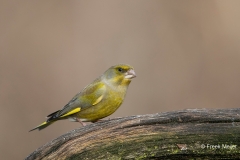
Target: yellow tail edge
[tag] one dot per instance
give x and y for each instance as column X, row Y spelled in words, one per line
column 52, row 118
column 42, row 126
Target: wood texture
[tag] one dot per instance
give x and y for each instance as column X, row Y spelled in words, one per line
column 191, row 133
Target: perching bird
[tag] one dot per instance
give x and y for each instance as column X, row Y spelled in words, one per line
column 99, row 99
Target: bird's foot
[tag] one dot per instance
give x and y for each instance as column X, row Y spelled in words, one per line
column 83, row 124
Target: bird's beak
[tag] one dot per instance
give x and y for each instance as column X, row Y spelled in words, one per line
column 130, row 74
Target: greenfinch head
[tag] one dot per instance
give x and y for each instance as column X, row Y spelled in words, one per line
column 119, row 74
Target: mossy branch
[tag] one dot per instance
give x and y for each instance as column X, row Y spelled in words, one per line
column 191, row 133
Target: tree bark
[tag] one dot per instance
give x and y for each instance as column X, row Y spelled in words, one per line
column 186, row 134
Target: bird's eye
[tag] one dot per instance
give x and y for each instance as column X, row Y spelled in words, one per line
column 120, row 69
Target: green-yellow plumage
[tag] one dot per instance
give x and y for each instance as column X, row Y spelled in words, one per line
column 99, row 99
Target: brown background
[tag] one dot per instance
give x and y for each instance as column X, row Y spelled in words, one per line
column 186, row 55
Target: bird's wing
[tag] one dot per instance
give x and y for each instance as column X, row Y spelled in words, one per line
column 89, row 96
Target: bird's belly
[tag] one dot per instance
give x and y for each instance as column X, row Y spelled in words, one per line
column 99, row 111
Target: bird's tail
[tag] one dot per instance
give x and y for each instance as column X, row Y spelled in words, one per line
column 51, row 119
column 42, row 126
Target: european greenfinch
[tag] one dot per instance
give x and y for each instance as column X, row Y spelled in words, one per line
column 97, row 100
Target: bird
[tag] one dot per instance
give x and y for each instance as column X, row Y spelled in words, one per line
column 97, row 100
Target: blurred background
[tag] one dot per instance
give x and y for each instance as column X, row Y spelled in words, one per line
column 186, row 55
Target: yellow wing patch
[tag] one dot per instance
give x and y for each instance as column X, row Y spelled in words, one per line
column 98, row 100
column 71, row 112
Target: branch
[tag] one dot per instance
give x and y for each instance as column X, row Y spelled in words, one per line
column 191, row 133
